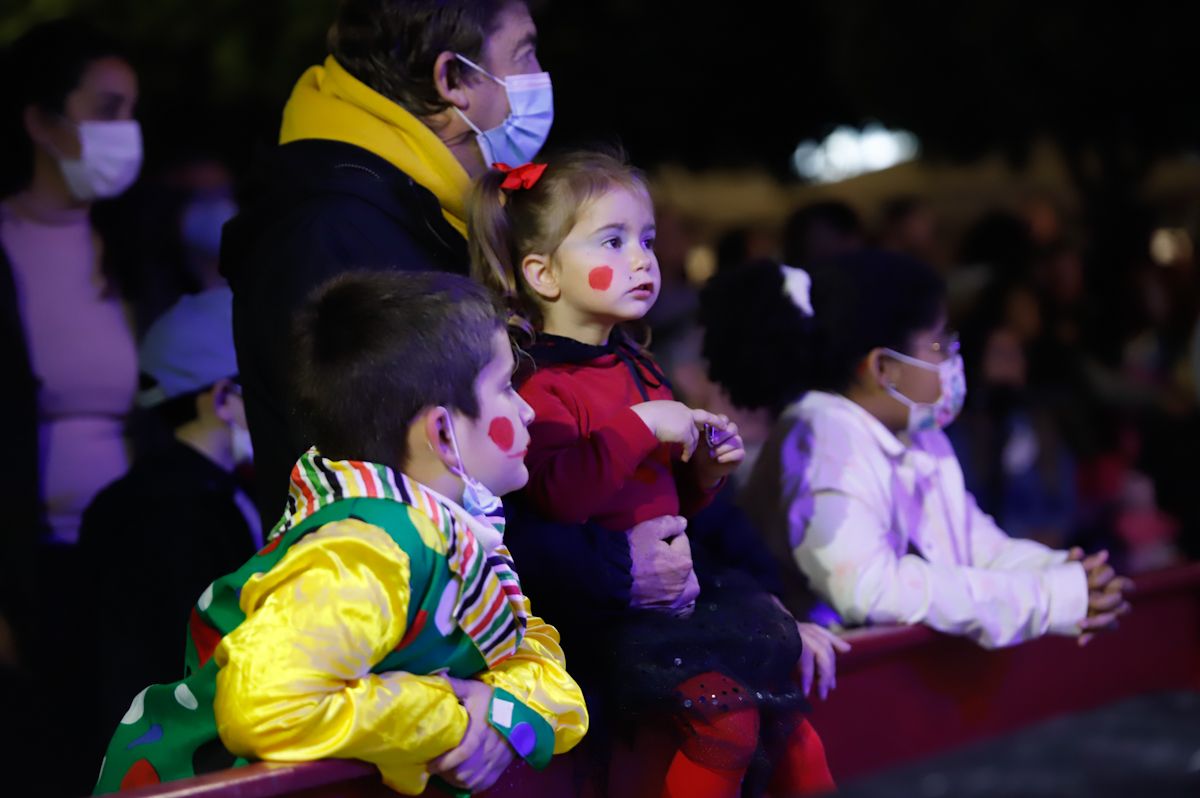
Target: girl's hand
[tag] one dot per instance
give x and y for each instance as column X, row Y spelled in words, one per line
column 675, row 422
column 818, row 657
column 720, row 453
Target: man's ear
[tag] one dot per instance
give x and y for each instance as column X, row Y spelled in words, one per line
column 449, row 80
column 540, row 275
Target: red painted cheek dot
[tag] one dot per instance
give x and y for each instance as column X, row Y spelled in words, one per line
column 600, row 278
column 501, row 433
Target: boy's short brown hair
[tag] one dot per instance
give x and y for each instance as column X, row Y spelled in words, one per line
column 373, row 349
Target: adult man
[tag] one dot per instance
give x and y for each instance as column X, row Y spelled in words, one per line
column 377, row 150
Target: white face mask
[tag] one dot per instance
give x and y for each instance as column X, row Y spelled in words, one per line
column 521, row 135
column 110, row 158
column 940, row 414
column 243, row 449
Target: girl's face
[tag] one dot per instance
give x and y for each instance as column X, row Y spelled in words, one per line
column 933, row 346
column 605, row 271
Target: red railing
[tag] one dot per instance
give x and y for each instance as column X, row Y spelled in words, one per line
column 902, row 693
column 906, row 693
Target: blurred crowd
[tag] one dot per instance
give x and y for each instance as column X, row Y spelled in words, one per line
column 1081, row 416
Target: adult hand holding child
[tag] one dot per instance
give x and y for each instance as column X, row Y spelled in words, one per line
column 661, row 557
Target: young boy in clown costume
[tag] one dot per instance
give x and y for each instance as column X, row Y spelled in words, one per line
column 383, row 620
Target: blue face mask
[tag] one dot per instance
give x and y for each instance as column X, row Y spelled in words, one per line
column 478, row 499
column 521, row 135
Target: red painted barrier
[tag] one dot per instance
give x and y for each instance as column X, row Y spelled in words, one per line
column 910, row 692
column 902, row 693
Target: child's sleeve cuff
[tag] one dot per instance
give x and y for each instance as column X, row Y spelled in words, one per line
column 525, row 730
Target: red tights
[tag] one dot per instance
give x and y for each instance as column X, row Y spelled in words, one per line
column 720, row 728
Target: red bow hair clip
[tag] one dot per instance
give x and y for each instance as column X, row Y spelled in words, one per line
column 519, row 177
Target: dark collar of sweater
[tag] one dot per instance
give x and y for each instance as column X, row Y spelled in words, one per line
column 553, row 350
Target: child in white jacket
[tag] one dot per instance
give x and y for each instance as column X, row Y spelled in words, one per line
column 858, row 481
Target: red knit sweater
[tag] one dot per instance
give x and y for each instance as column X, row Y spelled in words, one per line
column 591, row 458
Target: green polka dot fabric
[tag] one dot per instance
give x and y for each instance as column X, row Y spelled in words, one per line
column 170, row 732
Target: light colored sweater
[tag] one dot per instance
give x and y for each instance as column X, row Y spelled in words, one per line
column 82, row 350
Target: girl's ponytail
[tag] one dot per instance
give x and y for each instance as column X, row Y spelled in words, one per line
column 492, row 249
column 760, row 344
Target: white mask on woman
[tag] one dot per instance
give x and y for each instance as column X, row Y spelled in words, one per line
column 110, row 157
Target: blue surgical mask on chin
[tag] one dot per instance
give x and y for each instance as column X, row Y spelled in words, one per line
column 524, row 131
column 478, row 500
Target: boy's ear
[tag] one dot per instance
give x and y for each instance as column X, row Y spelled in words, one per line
column 540, row 276
column 220, row 395
column 434, row 423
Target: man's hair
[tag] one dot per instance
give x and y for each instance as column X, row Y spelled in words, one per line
column 372, row 349
column 391, row 45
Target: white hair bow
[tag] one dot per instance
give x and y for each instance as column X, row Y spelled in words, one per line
column 798, row 286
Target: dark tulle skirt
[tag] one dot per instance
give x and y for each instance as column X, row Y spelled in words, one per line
column 736, row 630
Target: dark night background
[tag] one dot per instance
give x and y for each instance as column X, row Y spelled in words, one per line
column 713, row 84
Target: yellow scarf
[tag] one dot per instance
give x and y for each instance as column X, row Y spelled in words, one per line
column 330, row 103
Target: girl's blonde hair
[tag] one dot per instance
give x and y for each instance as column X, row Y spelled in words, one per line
column 504, row 226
